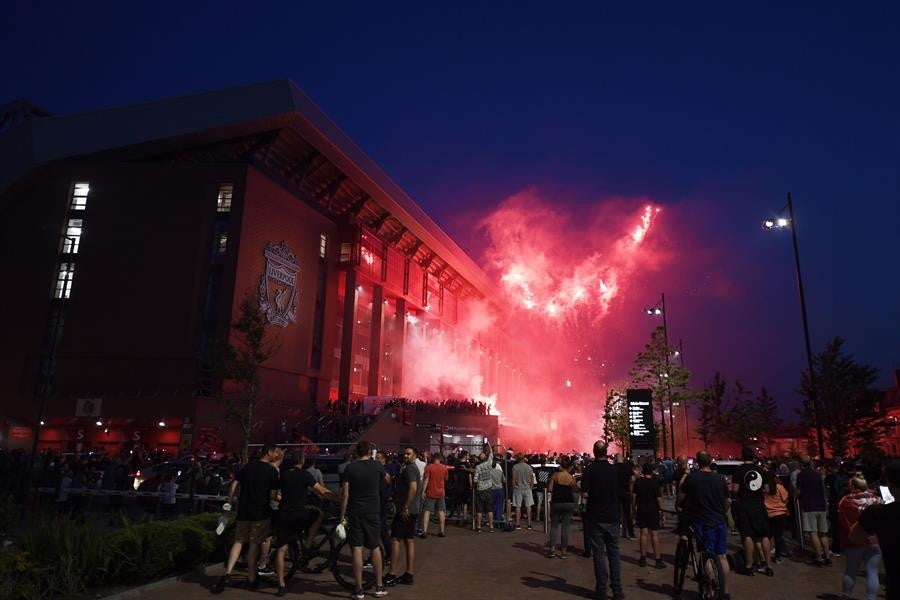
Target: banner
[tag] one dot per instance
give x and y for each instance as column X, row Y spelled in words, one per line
column 640, row 420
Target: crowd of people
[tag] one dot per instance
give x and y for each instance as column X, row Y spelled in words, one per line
column 387, row 499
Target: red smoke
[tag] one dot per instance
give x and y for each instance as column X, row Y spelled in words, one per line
column 567, row 277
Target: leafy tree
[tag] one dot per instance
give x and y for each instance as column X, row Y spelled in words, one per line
column 848, row 408
column 668, row 381
column 711, row 403
column 615, row 420
column 239, row 362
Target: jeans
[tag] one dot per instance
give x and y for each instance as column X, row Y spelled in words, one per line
column 604, row 544
column 871, row 556
column 560, row 519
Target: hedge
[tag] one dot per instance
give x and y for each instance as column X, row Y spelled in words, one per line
column 62, row 557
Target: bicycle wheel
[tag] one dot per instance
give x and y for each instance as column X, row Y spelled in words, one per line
column 342, row 566
column 317, row 557
column 711, row 579
column 681, row 565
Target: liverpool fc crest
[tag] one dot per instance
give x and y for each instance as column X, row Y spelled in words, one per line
column 278, row 285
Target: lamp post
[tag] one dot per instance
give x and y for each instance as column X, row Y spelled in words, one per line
column 781, row 222
column 659, row 309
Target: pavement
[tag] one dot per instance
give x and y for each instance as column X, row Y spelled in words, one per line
column 514, row 566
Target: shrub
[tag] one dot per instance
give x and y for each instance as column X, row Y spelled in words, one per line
column 76, row 553
column 20, row 577
column 9, row 516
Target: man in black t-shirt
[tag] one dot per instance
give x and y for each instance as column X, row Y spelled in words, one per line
column 883, row 520
column 360, row 501
column 601, row 521
column 648, row 508
column 750, row 513
column 294, row 515
column 257, row 483
column 704, row 496
column 407, row 506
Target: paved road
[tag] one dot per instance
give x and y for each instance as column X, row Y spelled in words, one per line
column 514, row 566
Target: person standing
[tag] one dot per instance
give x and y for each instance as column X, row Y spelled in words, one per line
column 813, row 510
column 625, row 473
column 361, row 507
column 434, row 495
column 484, row 497
column 868, row 553
column 167, row 491
column 256, row 486
column 523, row 481
column 776, row 502
column 498, row 480
column 407, row 507
column 883, row 521
column 704, row 496
column 385, row 503
column 600, row 483
column 752, row 517
column 648, row 510
column 562, row 488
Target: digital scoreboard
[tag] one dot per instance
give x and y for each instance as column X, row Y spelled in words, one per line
column 640, row 420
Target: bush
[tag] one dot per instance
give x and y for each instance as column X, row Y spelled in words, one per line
column 9, row 516
column 66, row 557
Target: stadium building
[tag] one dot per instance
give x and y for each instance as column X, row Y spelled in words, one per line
column 135, row 233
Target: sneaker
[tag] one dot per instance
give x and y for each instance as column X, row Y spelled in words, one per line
column 642, row 562
column 266, row 570
column 223, row 582
column 659, row 564
column 282, row 590
column 768, row 572
column 442, row 534
column 368, row 564
column 827, row 562
column 422, row 535
column 518, row 528
column 530, row 528
column 818, row 562
column 744, row 571
column 390, row 580
column 380, row 591
column 405, row 579
column 358, row 595
column 490, row 530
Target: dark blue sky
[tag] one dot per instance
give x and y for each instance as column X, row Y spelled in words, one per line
column 713, row 109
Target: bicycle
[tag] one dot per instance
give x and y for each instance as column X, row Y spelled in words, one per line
column 706, row 568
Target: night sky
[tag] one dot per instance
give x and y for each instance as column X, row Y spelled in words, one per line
column 712, row 110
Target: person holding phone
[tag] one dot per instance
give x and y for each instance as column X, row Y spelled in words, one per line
column 883, row 521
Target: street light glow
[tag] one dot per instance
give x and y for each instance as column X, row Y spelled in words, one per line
column 782, row 222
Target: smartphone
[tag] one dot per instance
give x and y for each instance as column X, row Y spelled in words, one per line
column 886, row 494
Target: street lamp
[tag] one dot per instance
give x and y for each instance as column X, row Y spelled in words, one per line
column 782, row 222
column 659, row 310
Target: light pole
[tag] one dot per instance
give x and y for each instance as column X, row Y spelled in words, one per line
column 659, row 309
column 781, row 222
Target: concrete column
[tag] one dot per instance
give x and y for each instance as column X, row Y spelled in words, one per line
column 399, row 347
column 350, row 299
column 375, row 352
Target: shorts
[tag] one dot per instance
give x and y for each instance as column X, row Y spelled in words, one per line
column 752, row 521
column 404, row 529
column 523, row 497
column 712, row 539
column 434, row 505
column 252, row 532
column 289, row 525
column 484, row 501
column 647, row 517
column 364, row 530
column 815, row 520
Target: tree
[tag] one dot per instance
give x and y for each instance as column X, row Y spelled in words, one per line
column 654, row 369
column 615, row 420
column 710, row 417
column 848, row 408
column 239, row 362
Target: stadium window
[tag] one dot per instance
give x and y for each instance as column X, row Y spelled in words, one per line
column 72, row 238
column 346, row 252
column 323, row 245
column 79, row 195
column 226, row 194
column 222, row 244
column 64, row 280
